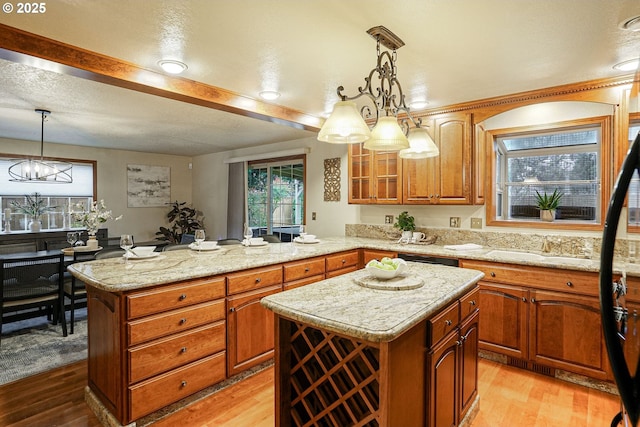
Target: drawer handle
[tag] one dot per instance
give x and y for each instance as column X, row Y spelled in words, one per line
column 183, row 384
column 258, row 280
column 306, row 270
column 448, row 322
column 183, row 297
column 472, row 302
column 569, row 284
column 183, row 321
column 492, row 274
column 183, row 350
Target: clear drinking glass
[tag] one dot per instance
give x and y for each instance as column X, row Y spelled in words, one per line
column 248, row 233
column 302, row 232
column 72, row 238
column 199, row 238
column 126, row 243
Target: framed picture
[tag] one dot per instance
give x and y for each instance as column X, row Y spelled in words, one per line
column 148, row 186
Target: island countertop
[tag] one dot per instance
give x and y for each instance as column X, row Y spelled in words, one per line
column 343, row 306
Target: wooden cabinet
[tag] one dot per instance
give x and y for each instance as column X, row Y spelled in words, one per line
column 369, row 254
column 542, row 316
column 374, row 177
column 250, row 329
column 304, row 272
column 342, row 263
column 453, row 362
column 445, row 179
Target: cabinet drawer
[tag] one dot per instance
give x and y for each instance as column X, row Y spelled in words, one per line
column 555, row 279
column 254, row 279
column 162, row 355
column 302, row 282
column 443, row 323
column 469, row 303
column 151, row 395
column 339, row 261
column 303, row 269
column 341, row 271
column 152, row 327
column 159, row 300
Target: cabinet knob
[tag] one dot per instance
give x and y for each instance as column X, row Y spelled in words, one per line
column 492, row 274
column 258, row 280
column 306, row 270
column 524, row 299
column 183, row 350
column 431, row 196
column 183, row 297
column 459, row 343
column 183, row 384
column 533, row 300
column 232, row 309
column 569, row 284
column 472, row 302
column 344, row 261
column 183, row 321
column 437, row 196
column 448, row 322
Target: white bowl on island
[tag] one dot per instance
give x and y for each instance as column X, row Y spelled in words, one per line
column 386, row 268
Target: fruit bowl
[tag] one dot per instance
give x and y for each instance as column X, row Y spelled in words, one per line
column 386, row 268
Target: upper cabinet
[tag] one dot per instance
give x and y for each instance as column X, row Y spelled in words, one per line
column 445, row 179
column 375, row 177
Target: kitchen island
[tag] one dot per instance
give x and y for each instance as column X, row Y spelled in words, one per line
column 349, row 354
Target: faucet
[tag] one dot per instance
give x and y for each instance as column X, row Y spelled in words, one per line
column 546, row 245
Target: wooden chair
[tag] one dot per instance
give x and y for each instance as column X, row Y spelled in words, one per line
column 32, row 286
column 74, row 288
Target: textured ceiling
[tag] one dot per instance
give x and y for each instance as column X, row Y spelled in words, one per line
column 455, row 51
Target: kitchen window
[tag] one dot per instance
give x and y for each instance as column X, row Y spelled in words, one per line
column 275, row 196
column 566, row 157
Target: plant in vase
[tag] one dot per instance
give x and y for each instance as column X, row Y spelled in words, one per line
column 407, row 224
column 182, row 220
column 548, row 204
column 93, row 218
column 34, row 206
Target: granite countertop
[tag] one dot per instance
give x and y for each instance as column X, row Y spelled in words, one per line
column 114, row 275
column 341, row 305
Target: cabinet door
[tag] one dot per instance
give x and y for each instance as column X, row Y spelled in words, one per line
column 453, row 165
column 369, row 254
column 566, row 333
column 419, row 181
column 360, row 170
column 468, row 363
column 443, row 384
column 503, row 319
column 250, row 330
column 387, row 174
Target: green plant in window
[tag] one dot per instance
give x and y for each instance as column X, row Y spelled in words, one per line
column 405, row 222
column 548, row 202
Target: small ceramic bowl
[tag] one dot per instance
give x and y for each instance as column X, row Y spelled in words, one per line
column 379, row 273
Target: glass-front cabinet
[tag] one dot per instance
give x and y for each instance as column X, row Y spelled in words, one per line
column 375, row 177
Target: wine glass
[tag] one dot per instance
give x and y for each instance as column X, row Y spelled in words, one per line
column 302, row 232
column 126, row 243
column 72, row 238
column 248, row 234
column 199, row 238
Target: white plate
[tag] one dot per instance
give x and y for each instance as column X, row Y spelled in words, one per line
column 144, row 256
column 255, row 245
column 305, row 242
column 194, row 247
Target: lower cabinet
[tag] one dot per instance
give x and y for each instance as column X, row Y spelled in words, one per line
column 342, row 263
column 369, row 254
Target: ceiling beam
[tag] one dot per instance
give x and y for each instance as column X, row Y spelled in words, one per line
column 22, row 47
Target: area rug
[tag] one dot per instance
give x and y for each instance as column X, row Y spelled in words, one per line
column 33, row 346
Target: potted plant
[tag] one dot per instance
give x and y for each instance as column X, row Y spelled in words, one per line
column 182, row 220
column 548, row 204
column 406, row 223
column 34, row 206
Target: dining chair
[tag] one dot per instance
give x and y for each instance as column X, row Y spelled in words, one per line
column 31, row 286
column 175, row 247
column 229, row 242
column 271, row 238
column 109, row 253
column 75, row 288
column 187, row 238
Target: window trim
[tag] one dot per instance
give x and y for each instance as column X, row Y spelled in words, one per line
column 606, row 167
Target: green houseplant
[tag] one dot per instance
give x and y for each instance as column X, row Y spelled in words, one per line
column 406, row 223
column 182, row 220
column 548, row 204
column 34, row 206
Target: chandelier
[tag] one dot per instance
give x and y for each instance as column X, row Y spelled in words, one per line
column 41, row 170
column 346, row 125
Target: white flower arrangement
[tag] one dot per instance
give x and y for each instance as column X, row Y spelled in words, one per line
column 97, row 215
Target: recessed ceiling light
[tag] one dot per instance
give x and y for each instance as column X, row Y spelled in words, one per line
column 631, row 24
column 269, row 95
column 172, row 66
column 630, row 65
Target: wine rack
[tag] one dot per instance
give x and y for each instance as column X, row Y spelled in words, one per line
column 334, row 381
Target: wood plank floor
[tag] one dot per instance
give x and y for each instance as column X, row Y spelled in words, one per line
column 509, row 397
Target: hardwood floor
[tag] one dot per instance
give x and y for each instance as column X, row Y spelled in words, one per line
column 509, row 397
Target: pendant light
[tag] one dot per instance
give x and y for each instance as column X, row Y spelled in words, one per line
column 421, row 145
column 41, row 170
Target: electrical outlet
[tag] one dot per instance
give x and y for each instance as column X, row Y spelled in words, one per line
column 454, row 222
column 388, row 219
column 476, row 222
column 313, row 216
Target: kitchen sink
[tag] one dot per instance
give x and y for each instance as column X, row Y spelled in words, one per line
column 526, row 256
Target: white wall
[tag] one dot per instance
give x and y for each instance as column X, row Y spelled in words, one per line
column 210, row 181
column 112, row 182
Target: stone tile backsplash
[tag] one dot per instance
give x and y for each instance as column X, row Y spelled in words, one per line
column 558, row 245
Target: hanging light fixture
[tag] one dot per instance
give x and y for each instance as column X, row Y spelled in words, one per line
column 421, row 145
column 347, row 125
column 41, row 170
